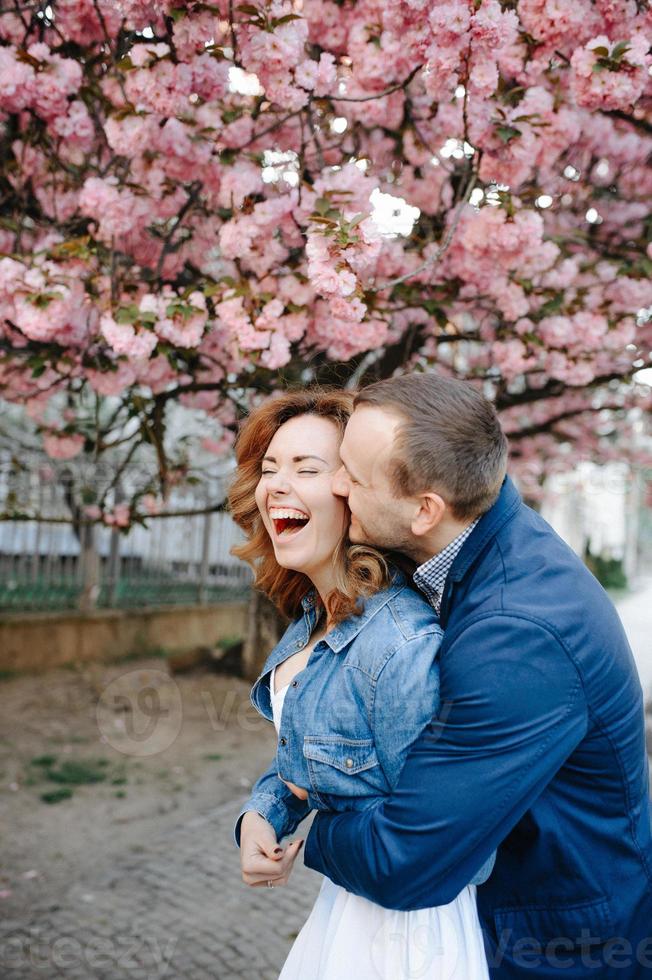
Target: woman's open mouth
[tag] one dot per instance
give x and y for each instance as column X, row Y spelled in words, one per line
column 287, row 520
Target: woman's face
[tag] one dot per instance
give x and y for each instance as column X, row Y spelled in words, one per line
column 302, row 516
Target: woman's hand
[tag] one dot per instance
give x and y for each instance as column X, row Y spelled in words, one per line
column 261, row 857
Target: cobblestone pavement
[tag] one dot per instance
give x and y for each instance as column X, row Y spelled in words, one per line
column 177, row 910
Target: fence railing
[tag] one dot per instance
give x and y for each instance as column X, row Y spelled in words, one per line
column 58, row 562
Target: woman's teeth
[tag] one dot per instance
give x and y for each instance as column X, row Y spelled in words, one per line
column 288, row 520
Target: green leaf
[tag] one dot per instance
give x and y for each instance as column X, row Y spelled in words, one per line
column 248, row 8
column 356, row 219
column 277, row 22
column 646, row 265
column 322, row 205
column 602, row 51
column 319, row 220
column 149, row 317
column 619, row 50
column 127, row 314
column 508, row 133
column 552, row 306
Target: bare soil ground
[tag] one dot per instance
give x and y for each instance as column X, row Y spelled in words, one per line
column 161, row 748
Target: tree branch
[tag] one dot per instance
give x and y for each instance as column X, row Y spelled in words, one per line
column 380, row 95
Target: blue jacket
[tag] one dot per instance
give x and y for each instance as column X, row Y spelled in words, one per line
column 350, row 716
column 539, row 748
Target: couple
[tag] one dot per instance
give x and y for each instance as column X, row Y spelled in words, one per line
column 485, row 708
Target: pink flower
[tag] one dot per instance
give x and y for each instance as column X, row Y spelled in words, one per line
column 218, row 446
column 123, row 338
column 151, row 503
column 120, row 516
column 278, row 353
column 112, row 382
column 318, row 76
column 238, row 183
column 484, row 77
column 59, row 445
column 601, row 81
column 512, row 357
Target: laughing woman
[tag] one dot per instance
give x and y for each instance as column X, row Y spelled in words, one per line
column 349, row 687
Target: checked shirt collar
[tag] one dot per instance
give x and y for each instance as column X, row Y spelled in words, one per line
column 431, row 576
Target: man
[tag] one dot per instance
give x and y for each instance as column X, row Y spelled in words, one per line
column 539, row 749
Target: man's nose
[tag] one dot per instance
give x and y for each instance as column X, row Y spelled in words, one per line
column 340, row 483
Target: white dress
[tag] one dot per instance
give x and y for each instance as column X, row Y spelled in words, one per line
column 346, row 936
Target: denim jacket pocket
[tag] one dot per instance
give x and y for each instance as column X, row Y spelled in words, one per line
column 342, row 766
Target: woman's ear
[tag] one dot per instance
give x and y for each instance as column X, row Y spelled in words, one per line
column 430, row 512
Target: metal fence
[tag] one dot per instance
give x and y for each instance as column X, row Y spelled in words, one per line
column 56, row 562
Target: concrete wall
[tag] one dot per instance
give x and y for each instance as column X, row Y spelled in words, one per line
column 35, row 641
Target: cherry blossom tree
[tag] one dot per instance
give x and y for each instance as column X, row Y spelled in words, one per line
column 205, row 202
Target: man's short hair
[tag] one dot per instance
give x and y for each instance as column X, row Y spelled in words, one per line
column 449, row 440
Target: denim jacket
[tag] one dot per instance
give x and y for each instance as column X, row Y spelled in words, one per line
column 349, row 717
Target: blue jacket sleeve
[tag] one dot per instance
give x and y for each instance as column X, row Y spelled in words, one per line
column 404, row 703
column 274, row 800
column 512, row 710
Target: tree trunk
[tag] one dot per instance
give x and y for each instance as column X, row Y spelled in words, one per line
column 265, row 626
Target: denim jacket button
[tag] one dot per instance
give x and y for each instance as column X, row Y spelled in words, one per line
column 295, row 683
column 349, row 763
column 284, row 741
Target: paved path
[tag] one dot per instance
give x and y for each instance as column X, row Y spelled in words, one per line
column 178, row 910
column 636, row 613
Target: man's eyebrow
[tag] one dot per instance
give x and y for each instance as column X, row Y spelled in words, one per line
column 295, row 459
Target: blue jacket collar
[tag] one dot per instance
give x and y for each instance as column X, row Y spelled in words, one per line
column 505, row 507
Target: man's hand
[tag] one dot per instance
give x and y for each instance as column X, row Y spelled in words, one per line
column 261, row 857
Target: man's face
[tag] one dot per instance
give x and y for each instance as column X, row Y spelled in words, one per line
column 378, row 516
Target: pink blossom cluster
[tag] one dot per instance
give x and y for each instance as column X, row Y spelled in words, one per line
column 171, row 223
column 268, row 332
column 601, row 80
column 158, row 84
column 461, row 36
column 42, row 304
column 340, row 338
column 116, row 209
column 336, row 270
column 61, row 445
column 37, row 79
column 272, row 53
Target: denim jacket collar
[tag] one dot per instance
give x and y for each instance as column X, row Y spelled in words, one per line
column 299, row 633
column 345, row 631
